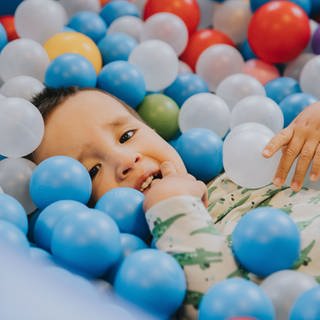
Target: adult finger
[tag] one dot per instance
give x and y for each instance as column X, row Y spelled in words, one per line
column 167, row 168
column 315, row 169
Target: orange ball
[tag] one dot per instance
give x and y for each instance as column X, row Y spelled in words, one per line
column 8, row 24
column 74, row 42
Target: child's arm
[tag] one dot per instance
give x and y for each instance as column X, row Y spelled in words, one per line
column 300, row 139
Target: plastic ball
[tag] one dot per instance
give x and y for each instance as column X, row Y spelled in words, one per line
column 23, row 57
column 218, row 62
column 160, row 113
column 88, row 241
column 22, row 87
column 201, row 40
column 293, row 68
column 257, row 109
column 304, row 4
column 50, row 216
column 284, row 287
column 88, row 23
column 309, row 76
column 124, row 80
column 232, row 297
column 175, row 32
column 293, row 104
column 183, row 68
column 266, row 240
column 145, row 276
column 74, row 6
column 279, row 31
column 238, row 86
column 246, row 50
column 116, row 46
column 185, row 86
column 116, row 9
column 8, row 23
column 201, row 152
column 3, row 37
column 23, row 123
column 12, row 236
column 60, row 178
column 74, row 42
column 205, row 110
column 315, row 7
column 14, row 179
column 125, row 207
column 41, row 257
column 242, row 156
column 161, row 57
column 70, row 69
column 39, row 19
column 129, row 25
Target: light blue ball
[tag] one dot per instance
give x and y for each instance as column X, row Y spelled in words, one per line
column 116, row 9
column 280, row 88
column 266, row 240
column 123, row 80
column 59, row 178
column 12, row 236
column 307, row 306
column 201, row 152
column 70, row 69
column 246, row 51
column 3, row 37
column 88, row 242
column 293, row 104
column 116, row 46
column 235, row 297
column 153, row 280
column 12, row 211
column 50, row 216
column 125, row 207
column 41, row 257
column 185, row 86
column 88, row 23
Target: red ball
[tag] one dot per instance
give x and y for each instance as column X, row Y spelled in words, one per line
column 201, row 40
column 279, row 31
column 187, row 10
column 8, row 24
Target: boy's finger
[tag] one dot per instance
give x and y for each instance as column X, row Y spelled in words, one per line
column 279, row 140
column 315, row 169
column 167, row 168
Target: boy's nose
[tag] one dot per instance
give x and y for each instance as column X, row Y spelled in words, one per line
column 126, row 163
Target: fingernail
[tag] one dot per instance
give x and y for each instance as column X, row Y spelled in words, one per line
column 313, row 177
column 277, row 182
column 295, row 186
column 266, row 152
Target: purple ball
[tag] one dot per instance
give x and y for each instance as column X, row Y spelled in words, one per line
column 315, row 43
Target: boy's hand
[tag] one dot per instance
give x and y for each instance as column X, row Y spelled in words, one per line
column 301, row 138
column 174, row 184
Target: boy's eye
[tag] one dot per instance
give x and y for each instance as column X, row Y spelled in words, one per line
column 126, row 136
column 94, row 170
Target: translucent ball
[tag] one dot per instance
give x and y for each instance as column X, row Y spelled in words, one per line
column 157, row 61
column 21, row 127
column 205, row 110
column 310, row 76
column 39, row 19
column 15, row 177
column 293, row 68
column 73, row 6
column 218, row 62
column 242, row 156
column 127, row 24
column 238, row 86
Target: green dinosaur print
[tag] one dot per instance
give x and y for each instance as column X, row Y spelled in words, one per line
column 199, row 257
column 287, row 208
column 160, row 227
column 304, row 259
column 229, row 240
column 304, row 224
column 209, row 229
column 193, row 298
column 211, row 205
column 315, row 199
column 239, row 273
column 317, row 278
column 273, row 192
column 210, row 190
column 245, row 190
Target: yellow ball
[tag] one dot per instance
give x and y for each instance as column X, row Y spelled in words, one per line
column 74, row 42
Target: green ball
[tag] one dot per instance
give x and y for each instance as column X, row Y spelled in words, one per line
column 160, row 113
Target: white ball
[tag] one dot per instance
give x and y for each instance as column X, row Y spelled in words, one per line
column 74, row 6
column 22, row 87
column 140, row 4
column 206, row 10
column 127, row 24
column 23, row 57
column 310, row 77
column 293, row 68
column 184, row 68
column 158, row 63
column 21, row 127
column 258, row 109
column 238, row 86
column 242, row 156
column 205, row 110
column 39, row 19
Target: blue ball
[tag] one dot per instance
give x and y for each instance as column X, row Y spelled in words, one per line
column 88, row 241
column 13, row 237
column 123, row 80
column 201, row 152
column 9, row 7
column 2, row 157
column 12, row 211
column 3, row 37
column 304, row 4
column 280, row 88
column 185, row 86
column 116, row 46
column 59, row 178
column 88, row 23
column 153, row 280
column 293, row 104
column 307, row 306
column 125, row 207
column 50, row 216
column 116, row 9
column 246, row 51
column 266, row 240
column 315, row 7
column 70, row 69
column 235, row 297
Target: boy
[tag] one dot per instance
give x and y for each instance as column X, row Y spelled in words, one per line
column 119, row 150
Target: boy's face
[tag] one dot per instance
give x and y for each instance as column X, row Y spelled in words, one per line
column 117, row 149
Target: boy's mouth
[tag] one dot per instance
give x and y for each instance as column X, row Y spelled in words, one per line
column 146, row 183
